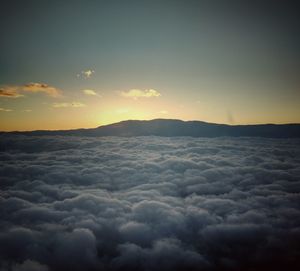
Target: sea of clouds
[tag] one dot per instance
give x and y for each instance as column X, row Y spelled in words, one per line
column 149, row 203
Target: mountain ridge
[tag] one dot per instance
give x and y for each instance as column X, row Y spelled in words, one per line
column 176, row 127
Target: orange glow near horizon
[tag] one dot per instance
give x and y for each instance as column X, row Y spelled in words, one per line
column 92, row 108
column 93, row 112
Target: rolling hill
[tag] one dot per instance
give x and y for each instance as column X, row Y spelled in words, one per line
column 173, row 127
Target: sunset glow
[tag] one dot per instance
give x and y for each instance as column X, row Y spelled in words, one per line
column 89, row 68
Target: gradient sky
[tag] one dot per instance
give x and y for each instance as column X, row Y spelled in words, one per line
column 71, row 64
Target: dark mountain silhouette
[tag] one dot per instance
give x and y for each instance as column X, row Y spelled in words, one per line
column 173, row 127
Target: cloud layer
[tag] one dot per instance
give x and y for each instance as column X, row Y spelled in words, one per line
column 149, row 203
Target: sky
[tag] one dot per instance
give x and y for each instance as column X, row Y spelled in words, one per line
column 73, row 64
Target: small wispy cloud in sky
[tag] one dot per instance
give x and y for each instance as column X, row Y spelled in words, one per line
column 10, row 92
column 5, row 109
column 64, row 105
column 40, row 87
column 14, row 91
column 90, row 92
column 86, row 74
column 27, row 110
column 138, row 93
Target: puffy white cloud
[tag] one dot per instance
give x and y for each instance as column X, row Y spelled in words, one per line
column 86, row 74
column 138, row 93
column 149, row 203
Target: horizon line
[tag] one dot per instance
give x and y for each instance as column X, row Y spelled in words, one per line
column 148, row 120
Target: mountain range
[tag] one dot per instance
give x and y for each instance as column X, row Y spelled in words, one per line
column 174, row 127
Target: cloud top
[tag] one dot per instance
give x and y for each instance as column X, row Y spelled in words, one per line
column 149, row 203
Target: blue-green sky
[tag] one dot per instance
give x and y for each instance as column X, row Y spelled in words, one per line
column 231, row 62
